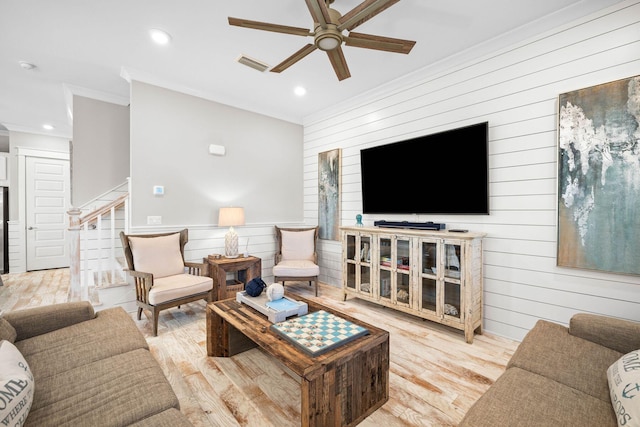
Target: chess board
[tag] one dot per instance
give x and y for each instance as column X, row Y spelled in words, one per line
column 318, row 332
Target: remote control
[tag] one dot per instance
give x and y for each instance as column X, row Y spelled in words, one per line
column 458, row 230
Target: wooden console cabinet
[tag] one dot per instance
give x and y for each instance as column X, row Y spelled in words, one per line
column 433, row 274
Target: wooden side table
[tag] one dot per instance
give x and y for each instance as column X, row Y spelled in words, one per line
column 244, row 269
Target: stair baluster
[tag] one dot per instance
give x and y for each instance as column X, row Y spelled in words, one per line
column 93, row 267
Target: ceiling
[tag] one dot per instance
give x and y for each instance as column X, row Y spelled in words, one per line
column 85, row 47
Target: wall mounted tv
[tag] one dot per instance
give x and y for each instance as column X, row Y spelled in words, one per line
column 442, row 173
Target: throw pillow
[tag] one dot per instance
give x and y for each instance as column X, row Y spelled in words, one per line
column 7, row 331
column 624, row 386
column 16, row 386
column 159, row 256
column 298, row 244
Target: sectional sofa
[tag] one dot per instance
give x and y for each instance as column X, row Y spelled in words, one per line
column 585, row 375
column 82, row 369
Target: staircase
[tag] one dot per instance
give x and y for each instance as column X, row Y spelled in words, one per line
column 97, row 262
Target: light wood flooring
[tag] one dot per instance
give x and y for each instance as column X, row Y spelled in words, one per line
column 434, row 377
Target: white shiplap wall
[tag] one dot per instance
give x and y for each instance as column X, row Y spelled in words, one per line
column 516, row 91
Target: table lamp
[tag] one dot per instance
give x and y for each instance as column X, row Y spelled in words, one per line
column 228, row 217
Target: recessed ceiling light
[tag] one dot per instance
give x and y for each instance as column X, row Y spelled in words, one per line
column 48, row 126
column 300, row 91
column 160, row 36
column 26, row 65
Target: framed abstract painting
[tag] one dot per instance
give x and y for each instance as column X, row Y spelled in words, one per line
column 329, row 176
column 599, row 177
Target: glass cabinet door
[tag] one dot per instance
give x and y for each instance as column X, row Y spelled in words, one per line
column 452, row 261
column 452, row 299
column 350, row 260
column 385, row 252
column 365, row 249
column 385, row 266
column 385, row 284
column 351, row 276
column 429, row 258
column 452, row 275
column 403, row 271
column 365, row 264
column 358, row 262
column 428, row 276
column 429, row 294
column 351, row 247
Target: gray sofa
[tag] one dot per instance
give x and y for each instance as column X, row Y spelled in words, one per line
column 558, row 376
column 90, row 369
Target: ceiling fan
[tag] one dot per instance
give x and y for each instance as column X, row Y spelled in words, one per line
column 328, row 36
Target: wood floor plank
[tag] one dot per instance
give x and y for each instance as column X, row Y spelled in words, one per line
column 208, row 407
column 435, row 376
column 248, row 382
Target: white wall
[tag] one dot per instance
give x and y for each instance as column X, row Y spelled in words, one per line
column 100, row 154
column 170, row 136
column 261, row 171
column 516, row 91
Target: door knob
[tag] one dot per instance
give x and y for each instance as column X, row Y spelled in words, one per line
column 32, row 228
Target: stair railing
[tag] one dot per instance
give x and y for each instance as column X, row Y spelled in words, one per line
column 92, row 224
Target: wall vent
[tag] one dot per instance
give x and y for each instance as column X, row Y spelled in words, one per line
column 253, row 63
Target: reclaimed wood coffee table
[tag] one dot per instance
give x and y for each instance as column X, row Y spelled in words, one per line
column 340, row 387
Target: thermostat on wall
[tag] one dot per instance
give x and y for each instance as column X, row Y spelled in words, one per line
column 158, row 190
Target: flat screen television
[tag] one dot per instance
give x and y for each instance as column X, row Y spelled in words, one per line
column 442, row 173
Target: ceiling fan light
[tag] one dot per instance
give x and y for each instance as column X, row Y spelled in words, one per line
column 328, row 43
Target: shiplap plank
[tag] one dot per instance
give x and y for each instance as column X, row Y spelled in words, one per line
column 519, row 281
column 514, row 246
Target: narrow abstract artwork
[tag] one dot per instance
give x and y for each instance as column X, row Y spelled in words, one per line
column 329, row 194
column 599, row 177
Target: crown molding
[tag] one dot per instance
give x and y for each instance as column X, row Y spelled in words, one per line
column 96, row 94
column 37, row 131
column 131, row 75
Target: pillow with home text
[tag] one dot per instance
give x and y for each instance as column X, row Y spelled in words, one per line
column 16, row 386
column 624, row 388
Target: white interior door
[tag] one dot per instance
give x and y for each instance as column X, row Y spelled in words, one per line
column 47, row 203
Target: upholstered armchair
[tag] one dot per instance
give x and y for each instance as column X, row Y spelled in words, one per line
column 296, row 257
column 162, row 278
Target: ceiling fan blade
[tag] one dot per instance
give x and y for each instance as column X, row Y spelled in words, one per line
column 306, row 50
column 388, row 44
column 319, row 12
column 339, row 63
column 265, row 26
column 363, row 12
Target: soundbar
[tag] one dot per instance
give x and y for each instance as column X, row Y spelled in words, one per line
column 405, row 224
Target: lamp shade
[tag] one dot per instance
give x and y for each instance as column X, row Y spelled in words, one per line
column 228, row 217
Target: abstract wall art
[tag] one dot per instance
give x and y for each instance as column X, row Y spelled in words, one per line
column 329, row 165
column 599, row 177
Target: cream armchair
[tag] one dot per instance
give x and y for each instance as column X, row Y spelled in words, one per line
column 297, row 256
column 162, row 278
